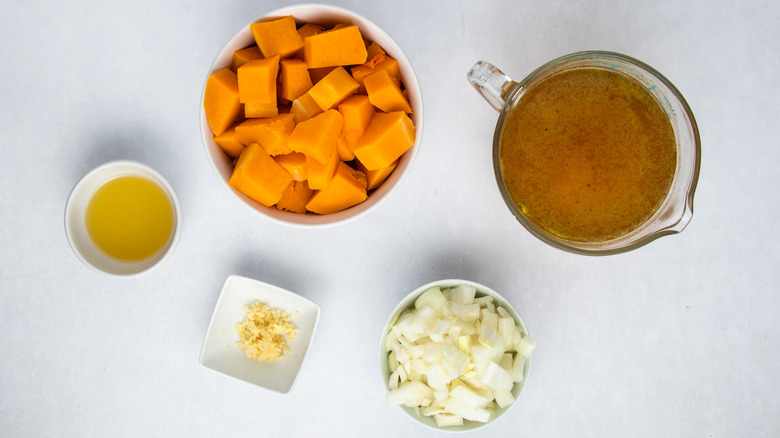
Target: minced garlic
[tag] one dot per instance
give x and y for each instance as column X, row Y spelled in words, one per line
column 264, row 334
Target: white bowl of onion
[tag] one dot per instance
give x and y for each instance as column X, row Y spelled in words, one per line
column 454, row 355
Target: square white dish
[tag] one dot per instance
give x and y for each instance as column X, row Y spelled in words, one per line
column 220, row 352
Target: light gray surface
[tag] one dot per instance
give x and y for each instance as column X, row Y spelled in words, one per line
column 677, row 339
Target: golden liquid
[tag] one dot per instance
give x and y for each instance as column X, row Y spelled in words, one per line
column 130, row 219
column 588, row 154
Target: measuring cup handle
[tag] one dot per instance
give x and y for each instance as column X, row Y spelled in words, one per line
column 491, row 83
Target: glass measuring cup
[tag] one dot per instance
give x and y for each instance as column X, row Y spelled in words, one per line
column 676, row 210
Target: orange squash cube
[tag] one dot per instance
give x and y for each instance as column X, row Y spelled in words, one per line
column 346, row 188
column 387, row 137
column 294, row 163
column 374, row 49
column 357, row 111
column 257, row 80
column 259, row 177
column 229, row 143
column 271, row 133
column 385, row 94
column 343, row 46
column 333, row 88
column 277, row 37
column 319, row 174
column 316, row 137
column 375, row 178
column 304, row 108
column 360, row 72
column 310, row 29
column 255, row 110
column 295, row 79
column 295, row 197
column 318, row 73
column 242, row 56
column 345, row 153
column 220, row 101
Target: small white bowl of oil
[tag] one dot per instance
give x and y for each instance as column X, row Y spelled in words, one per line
column 122, row 218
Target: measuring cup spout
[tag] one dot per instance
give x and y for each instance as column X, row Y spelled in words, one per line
column 491, row 83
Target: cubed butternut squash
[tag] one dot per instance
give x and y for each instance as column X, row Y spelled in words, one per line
column 304, row 108
column 295, row 79
column 257, row 80
column 295, row 197
column 319, row 174
column 374, row 49
column 310, row 29
column 342, row 46
column 242, row 56
column 385, row 94
column 277, row 37
column 360, row 72
column 346, row 188
column 256, row 109
column 357, row 111
column 345, row 153
column 316, row 137
column 271, row 133
column 372, row 62
column 298, row 105
column 387, row 137
column 294, row 163
column 318, row 73
column 333, row 88
column 259, row 177
column 375, row 178
column 220, row 100
column 229, row 143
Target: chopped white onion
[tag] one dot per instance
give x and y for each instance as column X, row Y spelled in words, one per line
column 469, row 397
column 448, row 420
column 432, row 298
column 496, row 377
column 463, row 294
column 457, row 407
column 455, row 356
column 466, row 312
column 504, row 398
column 410, row 392
column 437, row 330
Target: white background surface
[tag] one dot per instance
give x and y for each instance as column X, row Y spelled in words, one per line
column 677, row 339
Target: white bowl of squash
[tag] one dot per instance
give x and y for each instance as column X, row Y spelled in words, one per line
column 380, row 183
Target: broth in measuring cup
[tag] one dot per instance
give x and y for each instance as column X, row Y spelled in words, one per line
column 587, row 154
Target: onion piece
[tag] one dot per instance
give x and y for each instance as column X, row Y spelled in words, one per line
column 448, row 420
column 463, row 294
column 504, row 398
column 496, row 377
column 432, row 298
column 460, row 409
column 469, row 397
column 410, row 392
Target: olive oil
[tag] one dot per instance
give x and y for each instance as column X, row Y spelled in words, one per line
column 130, row 219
